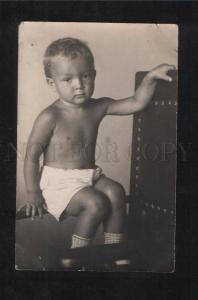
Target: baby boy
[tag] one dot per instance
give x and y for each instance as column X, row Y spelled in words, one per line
column 65, row 133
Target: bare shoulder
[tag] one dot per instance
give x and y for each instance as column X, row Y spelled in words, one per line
column 43, row 126
column 47, row 117
column 102, row 104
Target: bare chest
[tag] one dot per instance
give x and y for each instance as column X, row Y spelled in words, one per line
column 76, row 128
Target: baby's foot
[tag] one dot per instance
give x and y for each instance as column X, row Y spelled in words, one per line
column 117, row 265
column 72, row 264
column 68, row 263
column 122, row 264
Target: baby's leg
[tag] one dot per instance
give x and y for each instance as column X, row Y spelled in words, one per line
column 114, row 225
column 91, row 207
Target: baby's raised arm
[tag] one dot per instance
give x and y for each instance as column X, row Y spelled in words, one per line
column 39, row 138
column 143, row 94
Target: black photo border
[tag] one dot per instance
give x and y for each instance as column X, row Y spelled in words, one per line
column 183, row 283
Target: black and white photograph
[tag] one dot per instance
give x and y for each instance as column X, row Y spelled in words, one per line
column 96, row 147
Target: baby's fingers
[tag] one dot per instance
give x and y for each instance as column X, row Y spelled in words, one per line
column 45, row 206
column 165, row 75
column 28, row 208
column 40, row 212
column 33, row 212
column 167, row 78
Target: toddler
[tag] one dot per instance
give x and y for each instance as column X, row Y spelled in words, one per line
column 65, row 133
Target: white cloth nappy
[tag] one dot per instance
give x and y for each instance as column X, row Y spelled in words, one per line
column 59, row 186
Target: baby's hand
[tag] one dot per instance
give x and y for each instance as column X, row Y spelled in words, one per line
column 160, row 72
column 35, row 203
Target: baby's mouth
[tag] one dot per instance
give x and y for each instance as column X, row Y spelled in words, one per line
column 80, row 95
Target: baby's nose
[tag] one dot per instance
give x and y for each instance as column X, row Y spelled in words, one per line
column 78, row 83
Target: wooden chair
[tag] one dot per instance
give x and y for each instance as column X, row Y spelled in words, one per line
column 151, row 220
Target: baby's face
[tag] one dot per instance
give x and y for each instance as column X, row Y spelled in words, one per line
column 72, row 78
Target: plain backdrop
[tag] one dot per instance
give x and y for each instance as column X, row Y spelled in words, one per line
column 120, row 50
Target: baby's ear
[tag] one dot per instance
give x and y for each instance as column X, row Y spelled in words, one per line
column 50, row 81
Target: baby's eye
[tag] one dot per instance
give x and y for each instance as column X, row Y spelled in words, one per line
column 67, row 79
column 86, row 75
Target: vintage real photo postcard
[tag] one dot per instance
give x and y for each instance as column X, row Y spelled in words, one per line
column 96, row 147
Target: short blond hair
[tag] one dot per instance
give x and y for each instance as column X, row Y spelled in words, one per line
column 68, row 47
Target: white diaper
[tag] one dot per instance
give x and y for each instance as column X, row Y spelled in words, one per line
column 59, row 186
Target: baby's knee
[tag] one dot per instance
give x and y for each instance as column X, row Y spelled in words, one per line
column 98, row 206
column 116, row 194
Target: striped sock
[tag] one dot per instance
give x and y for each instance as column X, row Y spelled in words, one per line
column 113, row 238
column 78, row 241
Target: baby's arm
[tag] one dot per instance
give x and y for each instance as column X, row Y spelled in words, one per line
column 37, row 142
column 143, row 94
